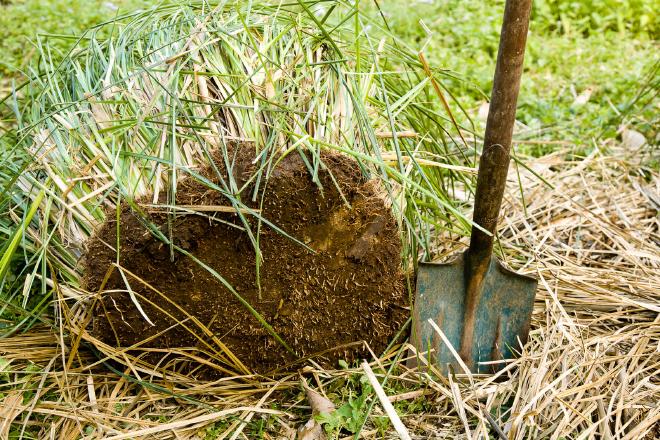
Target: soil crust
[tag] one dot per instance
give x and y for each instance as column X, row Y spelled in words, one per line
column 350, row 289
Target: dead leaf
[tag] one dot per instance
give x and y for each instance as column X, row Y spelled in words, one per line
column 269, row 84
column 312, row 430
column 317, row 401
column 632, row 139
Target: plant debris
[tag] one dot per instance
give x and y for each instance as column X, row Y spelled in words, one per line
column 312, row 430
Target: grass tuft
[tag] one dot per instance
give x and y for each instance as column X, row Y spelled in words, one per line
column 145, row 100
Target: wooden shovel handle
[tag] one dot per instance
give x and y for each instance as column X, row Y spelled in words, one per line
column 494, row 163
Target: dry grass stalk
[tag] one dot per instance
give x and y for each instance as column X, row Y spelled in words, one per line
column 399, row 427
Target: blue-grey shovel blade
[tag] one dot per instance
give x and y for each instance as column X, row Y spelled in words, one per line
column 503, row 313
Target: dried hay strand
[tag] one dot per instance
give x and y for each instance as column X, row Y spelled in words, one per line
column 589, row 370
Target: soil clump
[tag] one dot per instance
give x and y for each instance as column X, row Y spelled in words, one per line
column 348, row 289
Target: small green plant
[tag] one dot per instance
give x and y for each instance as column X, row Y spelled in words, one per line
column 215, row 430
column 382, row 424
column 350, row 415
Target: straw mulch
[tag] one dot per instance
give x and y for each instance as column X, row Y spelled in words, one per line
column 590, row 369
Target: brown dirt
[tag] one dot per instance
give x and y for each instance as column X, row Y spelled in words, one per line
column 350, row 290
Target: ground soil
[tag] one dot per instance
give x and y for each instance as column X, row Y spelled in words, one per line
column 350, row 289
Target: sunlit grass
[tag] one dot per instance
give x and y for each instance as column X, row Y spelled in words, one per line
column 584, row 66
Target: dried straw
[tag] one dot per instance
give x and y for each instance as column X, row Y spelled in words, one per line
column 589, row 370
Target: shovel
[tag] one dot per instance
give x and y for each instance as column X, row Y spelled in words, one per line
column 482, row 308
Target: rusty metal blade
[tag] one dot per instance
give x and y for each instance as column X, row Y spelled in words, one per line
column 503, row 313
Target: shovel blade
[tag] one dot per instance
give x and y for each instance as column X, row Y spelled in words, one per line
column 503, row 314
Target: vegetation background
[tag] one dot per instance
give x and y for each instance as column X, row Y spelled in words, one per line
column 590, row 65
